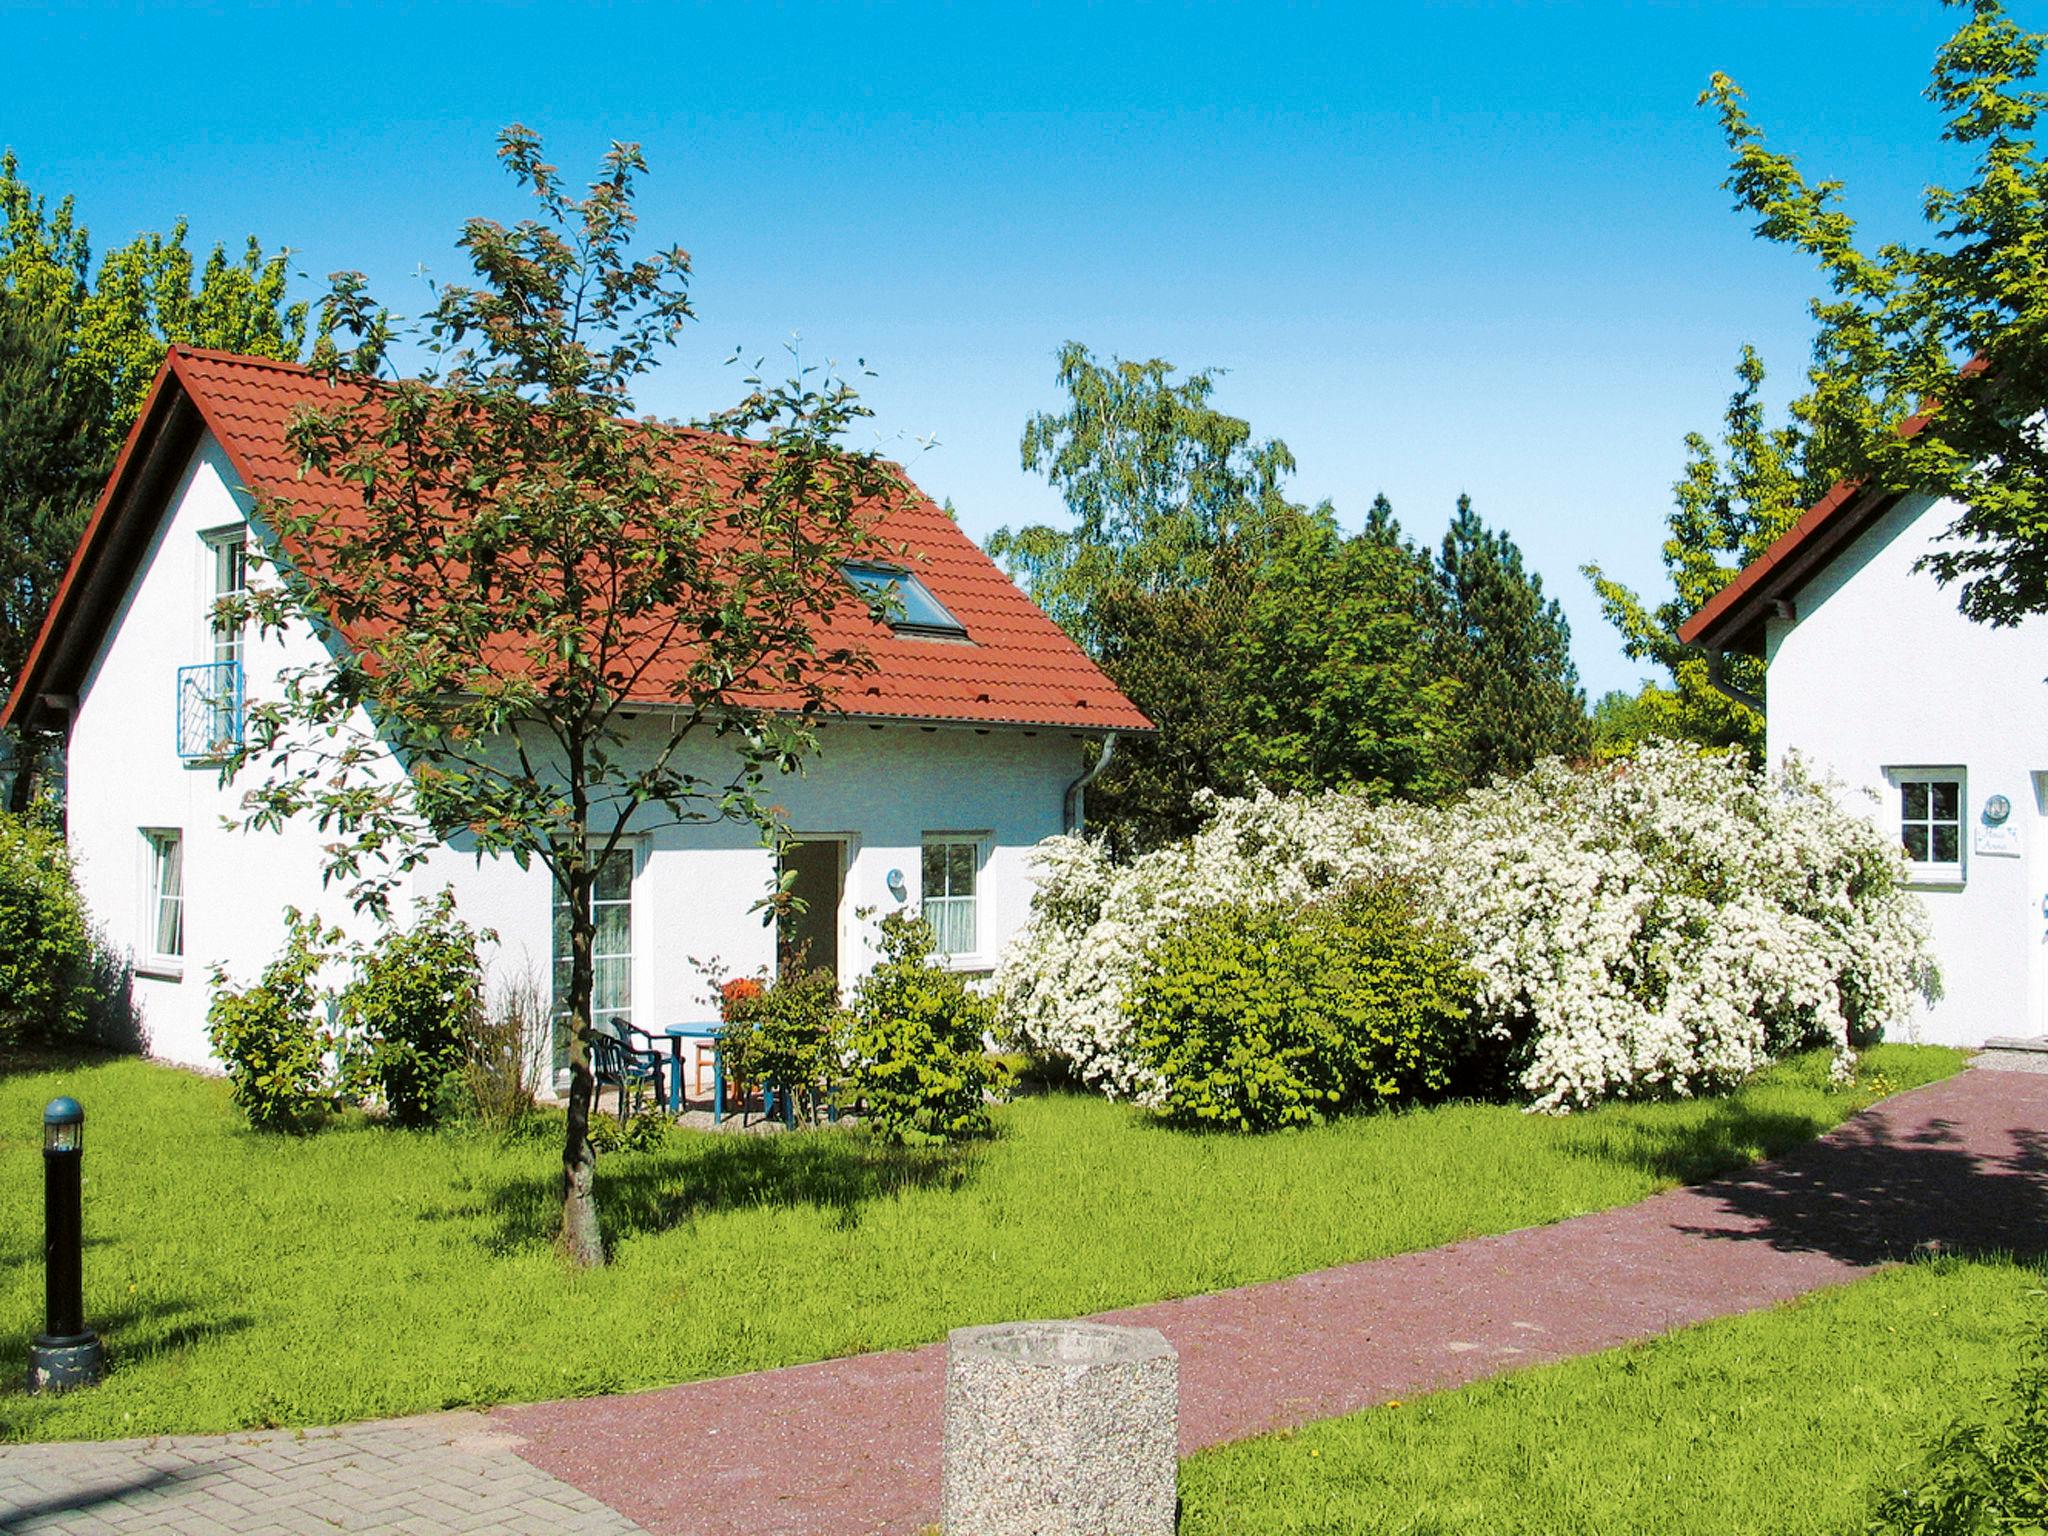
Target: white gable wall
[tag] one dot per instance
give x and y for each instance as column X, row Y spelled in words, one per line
column 124, row 775
column 883, row 789
column 1877, row 670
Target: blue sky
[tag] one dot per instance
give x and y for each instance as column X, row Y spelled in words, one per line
column 1437, row 248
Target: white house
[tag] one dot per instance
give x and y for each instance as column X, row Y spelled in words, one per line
column 1938, row 725
column 960, row 752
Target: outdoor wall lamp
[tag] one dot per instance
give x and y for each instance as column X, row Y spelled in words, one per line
column 66, row 1353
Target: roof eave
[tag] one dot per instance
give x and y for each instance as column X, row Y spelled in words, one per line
column 1734, row 619
column 157, row 445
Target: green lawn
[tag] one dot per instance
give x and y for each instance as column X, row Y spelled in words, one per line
column 245, row 1280
column 1782, row 1421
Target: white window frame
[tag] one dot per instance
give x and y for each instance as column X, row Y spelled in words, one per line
column 1931, row 871
column 150, row 960
column 634, row 851
column 221, row 644
column 977, row 957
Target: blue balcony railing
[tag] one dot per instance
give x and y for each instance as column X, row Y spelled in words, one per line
column 209, row 710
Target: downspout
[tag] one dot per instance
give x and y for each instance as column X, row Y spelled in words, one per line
column 1715, row 680
column 1074, row 790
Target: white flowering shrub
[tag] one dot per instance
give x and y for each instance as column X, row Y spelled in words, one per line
column 1663, row 925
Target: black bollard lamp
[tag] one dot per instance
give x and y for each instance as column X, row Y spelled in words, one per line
column 66, row 1353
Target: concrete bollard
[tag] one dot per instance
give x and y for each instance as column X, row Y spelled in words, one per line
column 1060, row 1429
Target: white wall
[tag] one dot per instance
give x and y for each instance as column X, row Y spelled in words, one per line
column 881, row 788
column 124, row 774
column 1877, row 670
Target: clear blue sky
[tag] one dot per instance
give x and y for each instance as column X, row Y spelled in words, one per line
column 1437, row 248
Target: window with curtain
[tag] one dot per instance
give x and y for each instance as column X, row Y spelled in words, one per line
column 951, row 892
column 229, row 554
column 163, row 917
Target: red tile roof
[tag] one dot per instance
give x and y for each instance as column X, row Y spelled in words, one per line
column 1019, row 668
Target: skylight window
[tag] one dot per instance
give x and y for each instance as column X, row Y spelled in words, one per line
column 903, row 602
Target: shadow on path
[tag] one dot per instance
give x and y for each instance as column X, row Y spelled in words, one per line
column 1891, row 1183
column 59, row 1508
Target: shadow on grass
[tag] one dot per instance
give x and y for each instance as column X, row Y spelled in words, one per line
column 1686, row 1147
column 36, row 1060
column 835, row 1171
column 131, row 1334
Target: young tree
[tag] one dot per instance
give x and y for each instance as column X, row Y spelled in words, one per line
column 1729, row 506
column 1955, row 325
column 566, row 625
column 1521, row 700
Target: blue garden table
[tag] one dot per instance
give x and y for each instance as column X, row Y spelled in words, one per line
column 677, row 1034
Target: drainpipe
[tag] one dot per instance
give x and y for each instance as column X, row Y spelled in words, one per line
column 1716, row 661
column 1073, row 803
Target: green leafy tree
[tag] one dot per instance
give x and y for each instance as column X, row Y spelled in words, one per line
column 1955, row 324
column 523, row 572
column 1521, row 699
column 1157, row 480
column 49, row 471
column 148, row 294
column 1623, row 721
column 1730, row 504
column 1174, row 506
column 1348, row 666
column 1176, row 653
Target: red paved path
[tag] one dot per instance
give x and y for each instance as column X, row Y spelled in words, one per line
column 849, row 1447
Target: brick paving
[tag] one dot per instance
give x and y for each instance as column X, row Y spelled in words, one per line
column 851, row 1447
column 432, row 1476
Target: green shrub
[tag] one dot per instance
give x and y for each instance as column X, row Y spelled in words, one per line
column 288, row 1068
column 416, row 1002
column 790, row 1036
column 919, row 1068
column 642, row 1133
column 1257, row 1018
column 46, row 949
column 1982, row 1478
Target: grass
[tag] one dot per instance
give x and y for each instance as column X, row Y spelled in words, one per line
column 1783, row 1421
column 243, row 1280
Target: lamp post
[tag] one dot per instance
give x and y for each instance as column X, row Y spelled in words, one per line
column 66, row 1353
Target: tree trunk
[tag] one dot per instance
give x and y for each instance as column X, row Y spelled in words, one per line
column 582, row 1240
